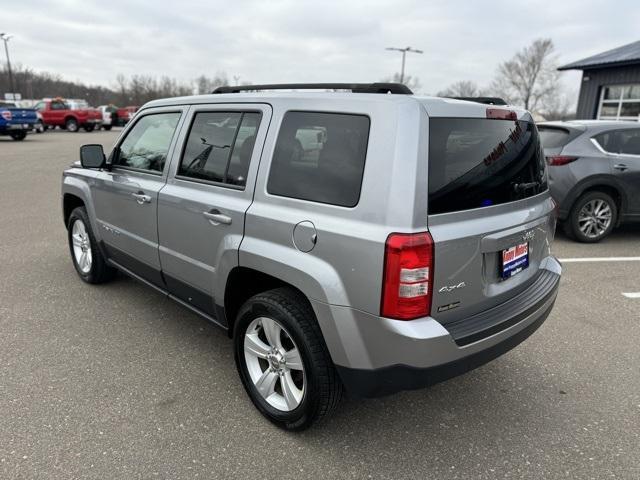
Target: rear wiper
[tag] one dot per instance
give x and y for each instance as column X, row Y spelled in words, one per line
column 523, row 187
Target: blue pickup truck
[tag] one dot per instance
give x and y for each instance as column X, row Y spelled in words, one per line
column 16, row 122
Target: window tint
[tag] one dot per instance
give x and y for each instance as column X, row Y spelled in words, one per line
column 320, row 157
column 58, row 106
column 629, row 141
column 553, row 137
column 147, row 143
column 620, row 141
column 476, row 163
column 219, row 146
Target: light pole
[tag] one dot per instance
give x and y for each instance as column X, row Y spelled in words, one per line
column 404, row 54
column 5, row 38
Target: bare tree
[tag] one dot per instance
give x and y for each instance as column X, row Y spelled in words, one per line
column 463, row 88
column 530, row 77
column 410, row 81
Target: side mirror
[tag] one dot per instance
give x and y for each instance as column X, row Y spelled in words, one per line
column 92, row 156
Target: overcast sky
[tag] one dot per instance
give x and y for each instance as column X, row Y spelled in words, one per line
column 303, row 41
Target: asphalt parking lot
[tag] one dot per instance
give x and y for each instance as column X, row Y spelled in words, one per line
column 117, row 382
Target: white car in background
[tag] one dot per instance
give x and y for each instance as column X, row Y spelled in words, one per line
column 107, row 115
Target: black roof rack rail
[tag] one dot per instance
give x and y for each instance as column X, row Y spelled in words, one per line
column 485, row 100
column 397, row 88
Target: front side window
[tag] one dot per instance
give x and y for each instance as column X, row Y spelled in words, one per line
column 58, row 106
column 219, row 147
column 147, row 144
column 320, row 157
column 475, row 163
column 40, row 106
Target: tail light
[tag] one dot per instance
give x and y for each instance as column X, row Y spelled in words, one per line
column 557, row 160
column 501, row 114
column 408, row 276
column 6, row 114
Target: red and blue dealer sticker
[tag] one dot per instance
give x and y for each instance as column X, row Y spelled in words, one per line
column 514, row 260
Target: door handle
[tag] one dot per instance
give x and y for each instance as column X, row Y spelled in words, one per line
column 141, row 198
column 620, row 166
column 216, row 218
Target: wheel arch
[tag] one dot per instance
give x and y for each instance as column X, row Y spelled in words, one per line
column 602, row 183
column 243, row 283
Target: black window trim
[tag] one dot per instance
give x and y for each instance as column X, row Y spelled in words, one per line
column 316, row 202
column 116, row 148
column 213, row 183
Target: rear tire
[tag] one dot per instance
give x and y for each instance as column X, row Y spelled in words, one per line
column 592, row 217
column 18, row 136
column 87, row 258
column 107, row 127
column 317, row 388
column 71, row 125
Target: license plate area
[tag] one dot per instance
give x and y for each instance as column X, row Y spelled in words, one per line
column 513, row 260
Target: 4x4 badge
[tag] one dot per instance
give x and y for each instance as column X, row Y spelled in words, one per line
column 451, row 288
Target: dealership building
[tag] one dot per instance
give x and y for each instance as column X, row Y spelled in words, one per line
column 610, row 88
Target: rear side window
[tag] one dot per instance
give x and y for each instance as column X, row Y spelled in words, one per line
column 219, row 147
column 475, row 163
column 620, row 141
column 554, row 137
column 320, row 157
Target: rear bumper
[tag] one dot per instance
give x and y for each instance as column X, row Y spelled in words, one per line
column 377, row 356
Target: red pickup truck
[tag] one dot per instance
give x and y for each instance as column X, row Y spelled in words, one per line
column 58, row 113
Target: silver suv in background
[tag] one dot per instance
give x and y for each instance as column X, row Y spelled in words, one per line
column 594, row 174
column 368, row 241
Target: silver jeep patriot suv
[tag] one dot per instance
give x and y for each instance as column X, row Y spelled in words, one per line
column 365, row 240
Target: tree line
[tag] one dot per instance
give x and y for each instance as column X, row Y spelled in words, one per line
column 133, row 90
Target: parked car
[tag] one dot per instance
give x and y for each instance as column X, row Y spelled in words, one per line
column 413, row 246
column 58, row 113
column 109, row 113
column 15, row 121
column 123, row 115
column 594, row 174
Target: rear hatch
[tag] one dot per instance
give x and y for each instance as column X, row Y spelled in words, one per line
column 490, row 214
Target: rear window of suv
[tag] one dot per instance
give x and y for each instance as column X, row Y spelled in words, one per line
column 475, row 163
column 320, row 157
column 552, row 137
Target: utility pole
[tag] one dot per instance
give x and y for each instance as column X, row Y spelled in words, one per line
column 404, row 54
column 5, row 38
column 236, row 78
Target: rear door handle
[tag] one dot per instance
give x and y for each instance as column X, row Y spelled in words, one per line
column 141, row 198
column 620, row 166
column 216, row 218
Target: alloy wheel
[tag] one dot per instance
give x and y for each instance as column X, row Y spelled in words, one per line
column 594, row 218
column 81, row 246
column 274, row 364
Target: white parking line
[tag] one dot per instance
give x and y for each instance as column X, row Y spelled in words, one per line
column 631, row 294
column 599, row 259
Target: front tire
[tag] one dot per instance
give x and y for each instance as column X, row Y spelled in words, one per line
column 107, row 127
column 282, row 360
column 87, row 257
column 18, row 136
column 592, row 217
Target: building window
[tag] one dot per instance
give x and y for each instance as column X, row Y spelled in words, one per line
column 620, row 102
